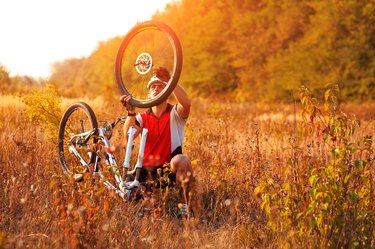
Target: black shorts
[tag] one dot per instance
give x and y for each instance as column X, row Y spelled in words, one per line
column 159, row 175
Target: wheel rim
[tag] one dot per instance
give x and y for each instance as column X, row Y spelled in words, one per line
column 142, row 50
column 76, row 121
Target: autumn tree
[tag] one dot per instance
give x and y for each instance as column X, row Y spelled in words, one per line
column 253, row 50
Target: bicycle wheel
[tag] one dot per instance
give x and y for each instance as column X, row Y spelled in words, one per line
column 77, row 119
column 146, row 46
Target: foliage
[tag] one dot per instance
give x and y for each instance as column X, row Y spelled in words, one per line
column 43, row 108
column 69, row 76
column 326, row 199
column 232, row 147
column 259, row 50
column 92, row 76
column 4, row 79
column 78, row 217
column 17, row 84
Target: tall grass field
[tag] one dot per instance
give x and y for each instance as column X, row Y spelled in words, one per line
column 265, row 176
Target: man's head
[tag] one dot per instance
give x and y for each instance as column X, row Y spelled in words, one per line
column 160, row 75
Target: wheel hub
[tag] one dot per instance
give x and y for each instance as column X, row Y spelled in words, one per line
column 143, row 63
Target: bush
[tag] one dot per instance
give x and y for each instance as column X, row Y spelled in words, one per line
column 325, row 200
column 43, row 108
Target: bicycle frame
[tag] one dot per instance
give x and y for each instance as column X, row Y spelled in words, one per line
column 102, row 151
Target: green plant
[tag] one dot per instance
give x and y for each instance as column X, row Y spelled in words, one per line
column 77, row 207
column 331, row 205
column 43, row 108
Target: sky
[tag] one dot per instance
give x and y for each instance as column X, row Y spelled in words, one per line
column 36, row 33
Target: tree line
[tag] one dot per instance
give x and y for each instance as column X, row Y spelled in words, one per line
column 252, row 50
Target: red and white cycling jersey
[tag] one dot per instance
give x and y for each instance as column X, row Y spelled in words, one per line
column 165, row 135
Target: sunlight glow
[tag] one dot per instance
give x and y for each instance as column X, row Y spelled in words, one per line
column 36, row 33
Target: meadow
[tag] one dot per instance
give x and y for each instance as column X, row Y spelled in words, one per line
column 265, row 177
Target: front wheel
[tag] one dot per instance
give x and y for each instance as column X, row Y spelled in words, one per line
column 146, row 46
column 77, row 121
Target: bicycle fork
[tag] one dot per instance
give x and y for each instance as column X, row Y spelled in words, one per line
column 124, row 186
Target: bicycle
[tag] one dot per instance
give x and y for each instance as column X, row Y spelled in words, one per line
column 82, row 145
column 85, row 147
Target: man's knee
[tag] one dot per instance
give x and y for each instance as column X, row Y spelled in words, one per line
column 180, row 159
column 180, row 162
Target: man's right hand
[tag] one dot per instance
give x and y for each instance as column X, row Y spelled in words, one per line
column 125, row 100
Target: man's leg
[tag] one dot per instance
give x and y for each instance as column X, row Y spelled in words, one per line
column 181, row 167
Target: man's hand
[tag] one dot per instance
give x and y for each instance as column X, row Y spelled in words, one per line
column 125, row 100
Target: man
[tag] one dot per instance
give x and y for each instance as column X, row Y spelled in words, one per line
column 165, row 124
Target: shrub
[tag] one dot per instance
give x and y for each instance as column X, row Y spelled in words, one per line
column 328, row 203
column 43, row 108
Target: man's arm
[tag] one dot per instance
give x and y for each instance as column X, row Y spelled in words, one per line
column 130, row 120
column 184, row 102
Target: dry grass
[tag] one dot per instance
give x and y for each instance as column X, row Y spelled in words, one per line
column 232, row 146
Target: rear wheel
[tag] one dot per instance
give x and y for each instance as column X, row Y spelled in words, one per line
column 77, row 119
column 146, row 46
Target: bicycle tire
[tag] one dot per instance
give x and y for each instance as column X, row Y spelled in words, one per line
column 63, row 129
column 175, row 69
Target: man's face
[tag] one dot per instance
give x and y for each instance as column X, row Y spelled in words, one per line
column 156, row 88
